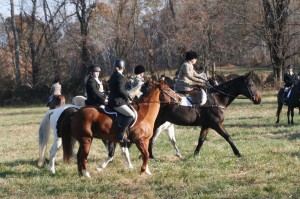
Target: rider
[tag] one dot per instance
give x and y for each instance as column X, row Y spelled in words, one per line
column 119, row 98
column 137, row 82
column 289, row 79
column 188, row 79
column 138, row 79
column 55, row 90
column 94, row 88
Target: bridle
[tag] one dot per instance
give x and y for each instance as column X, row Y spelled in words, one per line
column 173, row 99
column 252, row 96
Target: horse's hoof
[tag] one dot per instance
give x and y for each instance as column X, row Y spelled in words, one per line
column 52, row 171
column 86, row 174
column 179, row 155
column 40, row 163
column 99, row 169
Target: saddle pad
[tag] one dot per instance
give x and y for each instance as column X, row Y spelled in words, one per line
column 187, row 101
column 110, row 111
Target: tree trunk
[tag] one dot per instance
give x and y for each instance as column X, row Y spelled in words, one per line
column 16, row 45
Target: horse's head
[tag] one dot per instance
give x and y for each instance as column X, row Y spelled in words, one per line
column 167, row 95
column 249, row 89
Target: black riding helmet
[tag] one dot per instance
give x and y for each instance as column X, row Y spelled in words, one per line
column 191, row 55
column 119, row 63
column 139, row 69
column 93, row 68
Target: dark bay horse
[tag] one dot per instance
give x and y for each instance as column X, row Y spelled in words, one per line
column 292, row 102
column 91, row 122
column 211, row 114
column 57, row 101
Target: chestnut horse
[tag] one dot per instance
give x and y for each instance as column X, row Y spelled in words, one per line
column 57, row 101
column 211, row 114
column 92, row 122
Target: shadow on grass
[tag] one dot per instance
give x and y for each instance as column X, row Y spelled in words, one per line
column 11, row 170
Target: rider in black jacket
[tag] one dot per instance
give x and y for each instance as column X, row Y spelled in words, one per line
column 94, row 88
column 289, row 79
column 119, row 98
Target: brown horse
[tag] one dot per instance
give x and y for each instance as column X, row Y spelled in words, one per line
column 57, row 101
column 91, row 122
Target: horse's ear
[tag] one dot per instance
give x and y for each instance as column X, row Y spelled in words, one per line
column 249, row 75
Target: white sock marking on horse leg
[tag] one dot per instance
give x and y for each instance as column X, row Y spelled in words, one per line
column 52, row 165
column 86, row 174
column 148, row 170
column 105, row 163
column 126, row 155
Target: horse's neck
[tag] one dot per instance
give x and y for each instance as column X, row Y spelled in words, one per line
column 149, row 107
column 224, row 95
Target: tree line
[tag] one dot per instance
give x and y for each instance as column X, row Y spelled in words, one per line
column 49, row 39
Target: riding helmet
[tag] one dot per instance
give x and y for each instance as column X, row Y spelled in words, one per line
column 139, row 69
column 191, row 55
column 290, row 66
column 119, row 63
column 93, row 68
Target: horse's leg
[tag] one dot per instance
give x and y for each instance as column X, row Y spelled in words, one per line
column 203, row 133
column 55, row 146
column 292, row 115
column 83, row 152
column 110, row 147
column 156, row 131
column 288, row 114
column 126, row 155
column 219, row 128
column 279, row 108
column 171, row 134
column 143, row 145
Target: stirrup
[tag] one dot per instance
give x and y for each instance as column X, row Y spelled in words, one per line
column 125, row 140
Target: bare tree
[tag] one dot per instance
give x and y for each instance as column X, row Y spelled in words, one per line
column 16, row 44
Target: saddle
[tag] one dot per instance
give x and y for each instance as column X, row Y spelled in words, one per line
column 195, row 97
column 119, row 118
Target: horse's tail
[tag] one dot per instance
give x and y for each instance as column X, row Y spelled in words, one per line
column 66, row 137
column 62, row 101
column 279, row 102
column 44, row 131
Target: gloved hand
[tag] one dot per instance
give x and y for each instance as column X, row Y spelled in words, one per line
column 207, row 83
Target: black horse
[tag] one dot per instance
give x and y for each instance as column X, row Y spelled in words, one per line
column 210, row 115
column 292, row 102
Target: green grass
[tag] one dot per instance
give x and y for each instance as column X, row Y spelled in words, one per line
column 269, row 167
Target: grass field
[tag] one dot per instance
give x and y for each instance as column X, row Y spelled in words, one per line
column 269, row 167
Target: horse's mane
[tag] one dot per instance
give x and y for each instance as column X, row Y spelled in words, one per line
column 227, row 84
column 135, row 92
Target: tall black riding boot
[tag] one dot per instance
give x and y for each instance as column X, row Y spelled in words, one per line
column 121, row 132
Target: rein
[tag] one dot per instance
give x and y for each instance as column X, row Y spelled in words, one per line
column 175, row 101
column 234, row 96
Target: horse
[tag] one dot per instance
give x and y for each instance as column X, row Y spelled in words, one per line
column 167, row 126
column 211, row 114
column 92, row 122
column 57, row 101
column 292, row 102
column 51, row 121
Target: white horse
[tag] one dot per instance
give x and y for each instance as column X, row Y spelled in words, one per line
column 48, row 122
